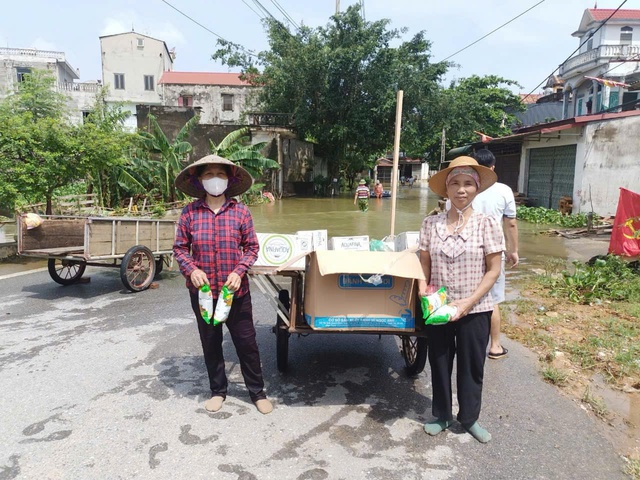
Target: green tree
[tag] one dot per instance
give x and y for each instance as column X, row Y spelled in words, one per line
column 166, row 157
column 340, row 82
column 236, row 147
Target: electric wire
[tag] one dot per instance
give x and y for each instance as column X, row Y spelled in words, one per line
column 579, row 46
column 251, row 8
column 286, row 15
column 493, row 31
column 249, row 52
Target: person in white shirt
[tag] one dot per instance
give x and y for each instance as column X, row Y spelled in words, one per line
column 498, row 201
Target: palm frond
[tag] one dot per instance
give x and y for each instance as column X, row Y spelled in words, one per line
column 186, row 129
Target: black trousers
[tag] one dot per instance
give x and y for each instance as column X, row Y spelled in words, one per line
column 243, row 335
column 466, row 340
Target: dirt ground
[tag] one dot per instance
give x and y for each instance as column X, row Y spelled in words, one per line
column 556, row 329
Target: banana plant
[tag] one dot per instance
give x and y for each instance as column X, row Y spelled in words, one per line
column 236, row 147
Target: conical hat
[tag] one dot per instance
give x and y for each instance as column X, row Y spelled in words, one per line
column 239, row 179
column 438, row 183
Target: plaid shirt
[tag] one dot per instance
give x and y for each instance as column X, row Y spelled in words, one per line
column 218, row 243
column 458, row 261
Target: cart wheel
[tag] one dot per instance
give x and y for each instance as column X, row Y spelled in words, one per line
column 65, row 272
column 414, row 352
column 159, row 265
column 138, row 268
column 282, row 334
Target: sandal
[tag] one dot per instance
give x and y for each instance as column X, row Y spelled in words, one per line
column 496, row 356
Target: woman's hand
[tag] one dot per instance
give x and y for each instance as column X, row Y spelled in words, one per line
column 463, row 306
column 198, row 278
column 233, row 281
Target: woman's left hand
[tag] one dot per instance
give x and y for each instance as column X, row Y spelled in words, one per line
column 463, row 306
column 233, row 281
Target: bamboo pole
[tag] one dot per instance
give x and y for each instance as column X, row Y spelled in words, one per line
column 394, row 170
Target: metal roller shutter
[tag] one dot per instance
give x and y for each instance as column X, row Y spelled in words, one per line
column 551, row 175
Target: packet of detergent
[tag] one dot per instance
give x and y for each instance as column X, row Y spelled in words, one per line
column 431, row 303
column 223, row 306
column 442, row 315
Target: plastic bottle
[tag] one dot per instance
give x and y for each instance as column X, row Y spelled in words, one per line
column 205, row 300
column 223, row 306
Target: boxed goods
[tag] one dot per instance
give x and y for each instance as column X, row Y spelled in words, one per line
column 277, row 249
column 318, row 238
column 407, row 240
column 360, row 242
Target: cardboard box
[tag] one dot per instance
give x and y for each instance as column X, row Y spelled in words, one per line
column 319, row 238
column 338, row 297
column 277, row 249
column 407, row 240
column 360, row 243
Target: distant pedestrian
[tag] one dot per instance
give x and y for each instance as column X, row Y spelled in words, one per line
column 411, row 180
column 362, row 196
column 378, row 189
column 498, row 201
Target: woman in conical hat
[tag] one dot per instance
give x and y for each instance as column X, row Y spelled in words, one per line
column 216, row 245
column 461, row 250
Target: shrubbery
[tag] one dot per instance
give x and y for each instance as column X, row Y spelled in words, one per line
column 550, row 217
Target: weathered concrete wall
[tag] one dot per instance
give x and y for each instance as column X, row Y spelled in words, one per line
column 610, row 161
column 209, row 99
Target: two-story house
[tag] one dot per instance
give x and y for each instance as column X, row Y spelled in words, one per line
column 15, row 63
column 598, row 77
column 222, row 98
column 132, row 64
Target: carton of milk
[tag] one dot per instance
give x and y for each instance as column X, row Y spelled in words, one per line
column 318, row 239
column 360, row 243
column 407, row 240
column 277, row 249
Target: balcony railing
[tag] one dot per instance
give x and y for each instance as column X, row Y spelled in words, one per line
column 79, row 87
column 605, row 52
column 271, row 119
column 32, row 52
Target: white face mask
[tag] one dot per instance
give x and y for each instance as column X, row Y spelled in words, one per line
column 215, row 186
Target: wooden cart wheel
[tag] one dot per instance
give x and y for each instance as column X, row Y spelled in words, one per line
column 65, row 272
column 138, row 268
column 282, row 334
column 414, row 352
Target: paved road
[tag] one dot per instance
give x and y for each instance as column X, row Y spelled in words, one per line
column 99, row 383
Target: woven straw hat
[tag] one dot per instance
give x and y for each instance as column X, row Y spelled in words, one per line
column 438, row 183
column 239, row 179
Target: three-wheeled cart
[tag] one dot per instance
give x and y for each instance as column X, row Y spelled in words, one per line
column 139, row 247
column 286, row 296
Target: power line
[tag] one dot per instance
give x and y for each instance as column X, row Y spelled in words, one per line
column 206, row 28
column 286, row 15
column 494, row 30
column 251, row 8
column 579, row 46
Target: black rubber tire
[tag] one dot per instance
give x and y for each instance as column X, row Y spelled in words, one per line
column 65, row 272
column 414, row 352
column 282, row 334
column 138, row 268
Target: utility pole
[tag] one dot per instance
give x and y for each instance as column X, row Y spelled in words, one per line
column 442, row 147
column 337, row 7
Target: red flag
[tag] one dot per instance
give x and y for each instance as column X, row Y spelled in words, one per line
column 625, row 236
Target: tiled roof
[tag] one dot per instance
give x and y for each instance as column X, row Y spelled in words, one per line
column 600, row 14
column 530, row 98
column 202, row 78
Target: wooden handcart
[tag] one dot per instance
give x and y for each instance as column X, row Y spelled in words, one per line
column 139, row 247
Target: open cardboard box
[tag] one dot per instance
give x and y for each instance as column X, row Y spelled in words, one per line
column 338, row 297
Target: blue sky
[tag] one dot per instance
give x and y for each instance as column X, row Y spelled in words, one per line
column 527, row 50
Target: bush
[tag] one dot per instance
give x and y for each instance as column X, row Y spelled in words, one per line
column 550, row 217
column 607, row 278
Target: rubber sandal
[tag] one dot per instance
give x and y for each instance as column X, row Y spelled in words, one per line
column 496, row 356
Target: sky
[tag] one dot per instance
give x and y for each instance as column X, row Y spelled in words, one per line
column 527, row 50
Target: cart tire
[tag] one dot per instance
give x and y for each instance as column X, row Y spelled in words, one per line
column 282, row 334
column 138, row 268
column 414, row 352
column 65, row 272
column 159, row 265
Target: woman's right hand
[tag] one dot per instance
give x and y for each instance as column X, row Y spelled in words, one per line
column 199, row 278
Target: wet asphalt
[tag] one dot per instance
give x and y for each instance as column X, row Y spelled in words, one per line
column 98, row 382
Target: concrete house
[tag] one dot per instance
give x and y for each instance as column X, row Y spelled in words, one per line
column 15, row 63
column 609, row 55
column 222, row 98
column 132, row 65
